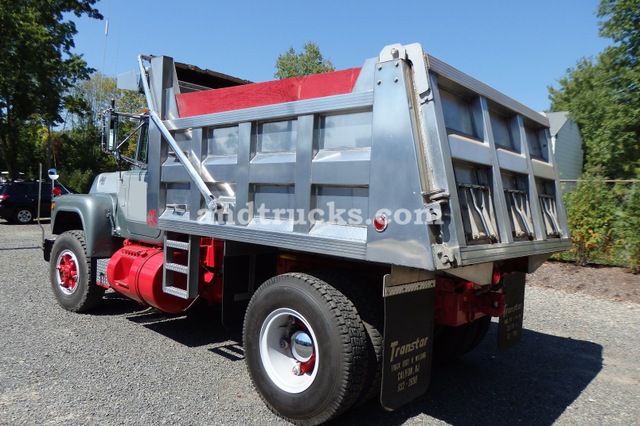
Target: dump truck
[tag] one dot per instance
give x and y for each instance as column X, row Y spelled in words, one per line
column 359, row 225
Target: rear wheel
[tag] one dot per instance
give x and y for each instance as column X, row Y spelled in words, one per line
column 305, row 348
column 23, row 215
column 72, row 275
column 450, row 343
column 368, row 301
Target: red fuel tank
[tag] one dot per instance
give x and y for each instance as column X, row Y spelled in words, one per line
column 135, row 271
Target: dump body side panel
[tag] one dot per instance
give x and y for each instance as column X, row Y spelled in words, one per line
column 282, row 177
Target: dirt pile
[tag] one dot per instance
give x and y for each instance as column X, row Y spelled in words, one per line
column 600, row 281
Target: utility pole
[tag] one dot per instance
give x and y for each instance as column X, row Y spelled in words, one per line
column 49, row 148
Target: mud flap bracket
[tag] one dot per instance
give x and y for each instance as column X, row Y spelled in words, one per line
column 409, row 300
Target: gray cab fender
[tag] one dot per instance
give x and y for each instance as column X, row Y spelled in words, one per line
column 94, row 214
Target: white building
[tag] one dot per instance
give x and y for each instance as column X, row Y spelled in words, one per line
column 566, row 144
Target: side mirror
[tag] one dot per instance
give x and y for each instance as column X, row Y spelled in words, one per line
column 53, row 174
column 109, row 129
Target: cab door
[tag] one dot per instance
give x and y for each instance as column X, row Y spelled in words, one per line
column 132, row 206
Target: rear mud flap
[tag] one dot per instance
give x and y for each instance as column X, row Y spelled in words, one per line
column 408, row 341
column 510, row 325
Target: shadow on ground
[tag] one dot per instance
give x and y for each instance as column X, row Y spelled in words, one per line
column 200, row 326
column 531, row 384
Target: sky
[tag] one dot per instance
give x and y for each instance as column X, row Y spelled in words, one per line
column 518, row 47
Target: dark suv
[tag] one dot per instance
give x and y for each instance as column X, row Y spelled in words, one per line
column 19, row 200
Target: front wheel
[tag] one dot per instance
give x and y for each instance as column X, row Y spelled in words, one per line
column 305, row 348
column 72, row 275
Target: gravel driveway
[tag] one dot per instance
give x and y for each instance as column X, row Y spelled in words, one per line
column 124, row 365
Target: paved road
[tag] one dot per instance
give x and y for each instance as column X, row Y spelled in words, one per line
column 124, row 365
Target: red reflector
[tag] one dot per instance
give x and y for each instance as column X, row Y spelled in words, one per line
column 380, row 223
column 56, row 192
column 497, row 276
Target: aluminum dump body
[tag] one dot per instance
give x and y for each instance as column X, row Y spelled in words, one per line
column 404, row 161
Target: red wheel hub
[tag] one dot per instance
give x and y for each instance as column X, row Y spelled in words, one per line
column 68, row 271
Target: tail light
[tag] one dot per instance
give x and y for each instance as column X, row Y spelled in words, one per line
column 496, row 276
column 3, row 197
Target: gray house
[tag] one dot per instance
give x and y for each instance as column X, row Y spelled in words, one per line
column 566, row 144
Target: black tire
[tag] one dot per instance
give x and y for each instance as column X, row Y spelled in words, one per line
column 72, row 273
column 294, row 304
column 450, row 343
column 22, row 216
column 369, row 304
column 482, row 328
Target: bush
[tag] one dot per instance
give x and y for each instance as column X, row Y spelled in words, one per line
column 591, row 212
column 628, row 228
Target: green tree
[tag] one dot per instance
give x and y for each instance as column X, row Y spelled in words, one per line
column 94, row 95
column 38, row 66
column 311, row 61
column 622, row 25
column 76, row 149
column 603, row 94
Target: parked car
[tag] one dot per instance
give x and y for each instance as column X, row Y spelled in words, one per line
column 19, row 200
